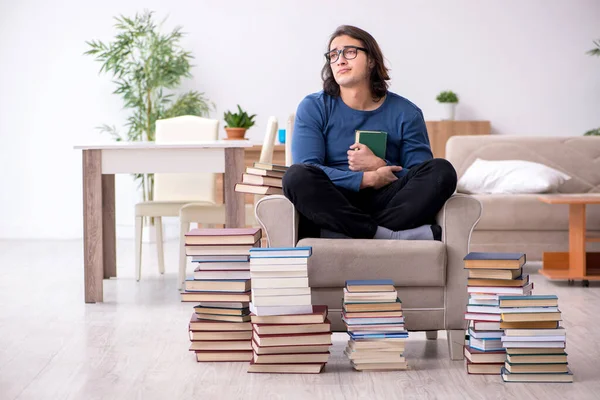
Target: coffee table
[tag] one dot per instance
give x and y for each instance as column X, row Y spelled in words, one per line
column 576, row 263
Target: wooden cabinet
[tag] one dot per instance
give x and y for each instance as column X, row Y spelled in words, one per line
column 440, row 131
column 251, row 155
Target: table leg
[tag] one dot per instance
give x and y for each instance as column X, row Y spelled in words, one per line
column 577, row 267
column 92, row 225
column 108, row 227
column 235, row 212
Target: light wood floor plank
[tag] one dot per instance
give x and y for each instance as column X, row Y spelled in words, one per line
column 134, row 345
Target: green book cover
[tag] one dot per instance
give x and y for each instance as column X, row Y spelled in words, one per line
column 374, row 140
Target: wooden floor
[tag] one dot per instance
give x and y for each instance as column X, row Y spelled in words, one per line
column 134, row 346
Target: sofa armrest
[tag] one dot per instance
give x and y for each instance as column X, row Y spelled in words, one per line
column 279, row 219
column 457, row 218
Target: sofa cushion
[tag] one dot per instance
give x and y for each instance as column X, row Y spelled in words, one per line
column 406, row 262
column 526, row 212
column 510, row 176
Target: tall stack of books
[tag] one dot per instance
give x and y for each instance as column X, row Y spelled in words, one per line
column 262, row 179
column 372, row 313
column 491, row 275
column 220, row 328
column 289, row 334
column 535, row 343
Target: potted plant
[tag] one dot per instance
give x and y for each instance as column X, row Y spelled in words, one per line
column 449, row 99
column 237, row 123
column 144, row 64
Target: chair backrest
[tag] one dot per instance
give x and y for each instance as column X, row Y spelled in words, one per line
column 266, row 154
column 289, row 132
column 185, row 187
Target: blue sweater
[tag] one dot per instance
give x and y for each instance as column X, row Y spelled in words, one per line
column 324, row 130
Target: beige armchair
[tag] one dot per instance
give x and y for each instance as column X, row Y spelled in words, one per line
column 429, row 275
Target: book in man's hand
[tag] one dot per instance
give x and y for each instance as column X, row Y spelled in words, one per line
column 376, row 141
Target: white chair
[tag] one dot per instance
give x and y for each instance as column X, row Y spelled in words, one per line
column 172, row 191
column 195, row 212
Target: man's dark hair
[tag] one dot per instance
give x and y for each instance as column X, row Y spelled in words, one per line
column 379, row 73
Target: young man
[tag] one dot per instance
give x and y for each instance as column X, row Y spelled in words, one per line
column 340, row 188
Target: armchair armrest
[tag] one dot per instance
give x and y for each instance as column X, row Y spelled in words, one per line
column 279, row 219
column 458, row 218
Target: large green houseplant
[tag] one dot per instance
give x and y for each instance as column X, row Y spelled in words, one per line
column 146, row 66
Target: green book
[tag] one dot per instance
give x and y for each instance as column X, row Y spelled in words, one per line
column 374, row 140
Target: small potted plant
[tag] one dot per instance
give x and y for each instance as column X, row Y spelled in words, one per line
column 237, row 123
column 449, row 99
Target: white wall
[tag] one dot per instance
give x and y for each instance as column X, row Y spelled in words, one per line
column 520, row 64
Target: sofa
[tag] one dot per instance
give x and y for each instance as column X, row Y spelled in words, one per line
column 520, row 222
column 429, row 275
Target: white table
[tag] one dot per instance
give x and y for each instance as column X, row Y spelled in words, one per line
column 102, row 162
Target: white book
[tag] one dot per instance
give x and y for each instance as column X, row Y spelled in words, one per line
column 278, row 267
column 281, row 291
column 483, row 309
column 300, row 252
column 485, row 326
column 548, row 344
column 485, row 334
column 500, row 289
column 280, row 310
column 221, row 275
column 483, row 317
column 279, row 274
column 279, row 261
column 298, row 300
column 218, row 266
column 484, row 302
column 492, row 296
column 266, row 283
column 534, row 338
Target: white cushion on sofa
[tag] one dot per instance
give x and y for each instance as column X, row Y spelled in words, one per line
column 510, row 176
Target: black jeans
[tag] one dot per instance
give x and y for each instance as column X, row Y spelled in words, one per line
column 409, row 202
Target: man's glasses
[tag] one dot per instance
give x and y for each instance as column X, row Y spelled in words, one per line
column 349, row 53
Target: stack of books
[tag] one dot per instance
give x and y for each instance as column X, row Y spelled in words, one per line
column 535, row 343
column 262, row 179
column 372, row 313
column 289, row 334
column 220, row 328
column 491, row 275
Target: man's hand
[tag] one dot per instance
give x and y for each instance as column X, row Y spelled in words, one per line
column 383, row 176
column 361, row 158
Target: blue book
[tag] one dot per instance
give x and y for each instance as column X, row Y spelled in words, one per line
column 280, row 252
column 474, row 255
column 379, row 335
